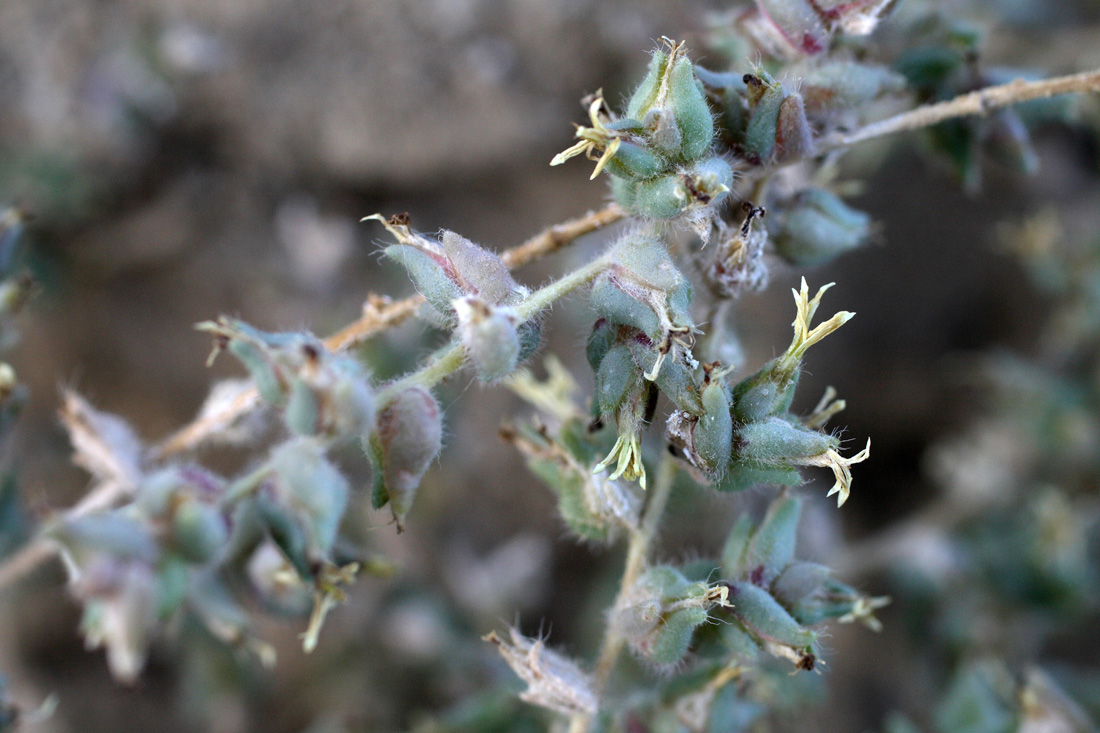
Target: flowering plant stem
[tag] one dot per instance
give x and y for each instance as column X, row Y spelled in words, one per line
column 380, row 314
column 636, row 555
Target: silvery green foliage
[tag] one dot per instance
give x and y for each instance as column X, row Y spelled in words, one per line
column 319, row 393
column 173, row 540
column 660, row 612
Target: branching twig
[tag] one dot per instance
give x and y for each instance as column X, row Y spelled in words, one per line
column 380, row 314
column 966, row 105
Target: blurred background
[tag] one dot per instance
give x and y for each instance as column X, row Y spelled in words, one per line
column 183, row 159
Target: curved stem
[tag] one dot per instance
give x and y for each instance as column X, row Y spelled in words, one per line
column 636, row 557
column 451, row 358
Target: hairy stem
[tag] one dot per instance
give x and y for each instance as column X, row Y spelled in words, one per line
column 636, row 556
column 451, row 358
column 966, row 105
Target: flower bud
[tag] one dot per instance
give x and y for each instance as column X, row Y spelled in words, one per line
column 817, row 226
column 306, row 504
column 445, row 270
column 660, row 613
column 663, row 197
column 643, row 289
column 774, row 440
column 303, row 409
column 709, row 180
column 632, row 161
column 777, row 129
column 340, row 384
column 271, row 387
column 320, row 392
column 489, row 336
column 676, row 377
column 182, row 502
column 604, row 335
column 769, row 623
column 480, row 272
column 617, row 377
column 726, row 92
column 770, row 390
column 647, row 260
column 672, row 106
column 430, row 273
column 687, row 190
column 268, row 357
column 760, row 554
column 199, row 531
column 798, row 586
column 705, row 438
column 713, row 434
column 408, row 437
column 612, row 297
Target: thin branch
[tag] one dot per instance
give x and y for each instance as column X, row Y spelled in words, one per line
column 553, row 238
column 25, row 560
column 636, row 556
column 380, row 314
column 451, row 358
column 975, row 103
column 38, row 550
